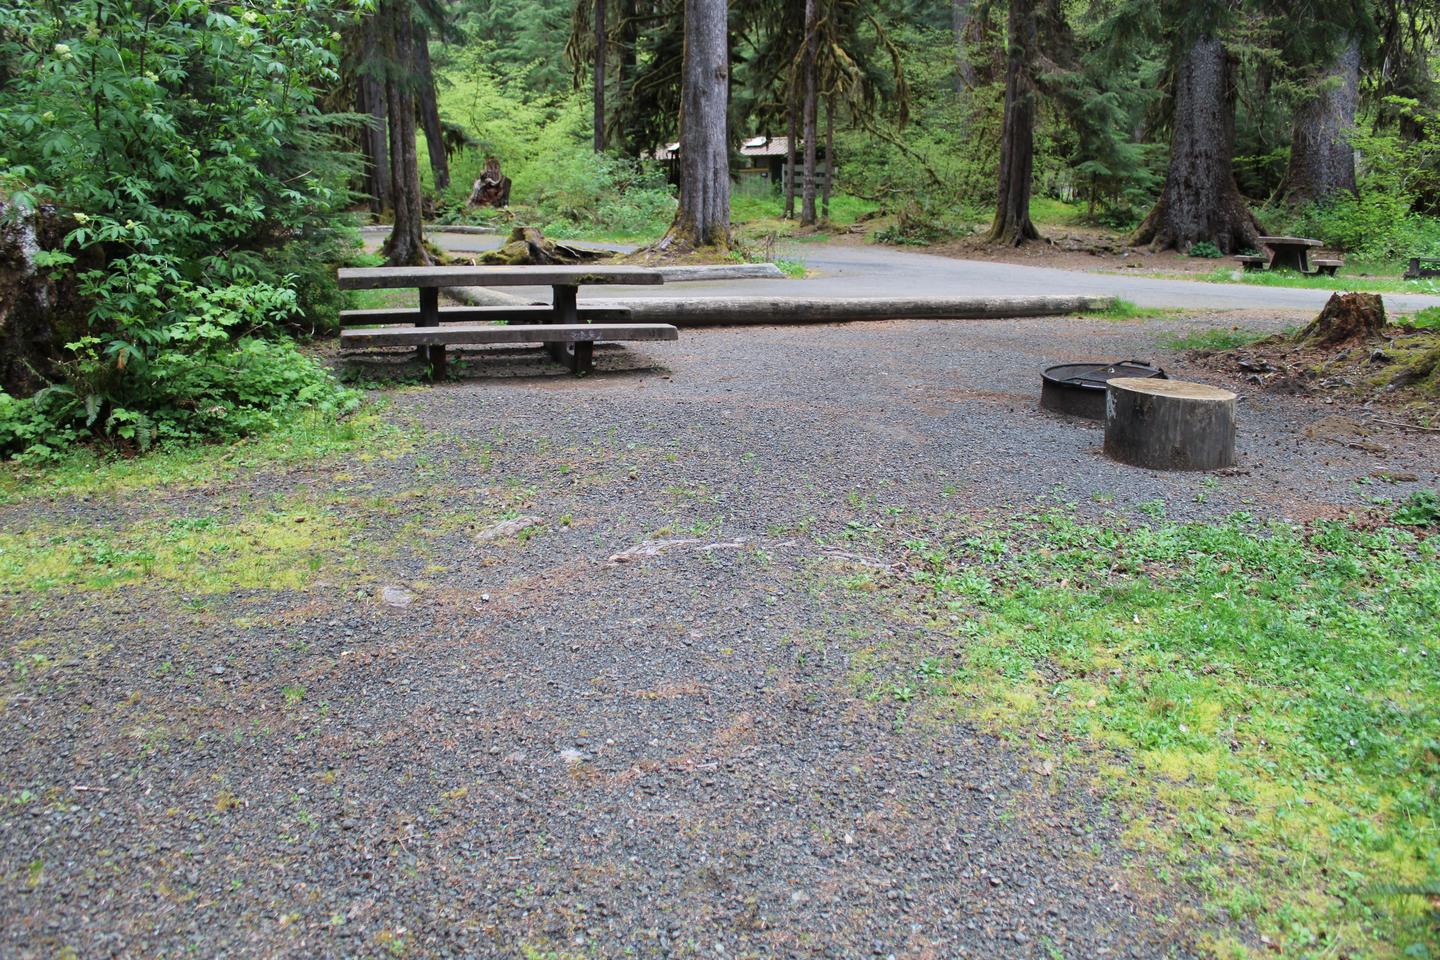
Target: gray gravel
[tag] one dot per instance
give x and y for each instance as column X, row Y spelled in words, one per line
column 549, row 753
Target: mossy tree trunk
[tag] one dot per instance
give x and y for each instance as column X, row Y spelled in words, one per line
column 372, row 101
column 1322, row 161
column 405, row 245
column 430, row 111
column 703, row 218
column 601, row 52
column 1012, row 225
column 1200, row 200
column 809, row 68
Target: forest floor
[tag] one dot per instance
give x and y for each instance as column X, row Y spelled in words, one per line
column 773, row 642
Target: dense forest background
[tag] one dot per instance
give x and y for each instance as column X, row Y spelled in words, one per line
column 1323, row 115
column 179, row 178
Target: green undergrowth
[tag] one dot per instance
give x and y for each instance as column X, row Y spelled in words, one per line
column 308, row 438
column 1263, row 700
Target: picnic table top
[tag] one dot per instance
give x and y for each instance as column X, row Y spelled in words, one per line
column 372, row 278
column 1289, row 241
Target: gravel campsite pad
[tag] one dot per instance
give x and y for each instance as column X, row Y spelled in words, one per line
column 553, row 670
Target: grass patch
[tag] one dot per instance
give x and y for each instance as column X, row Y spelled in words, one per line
column 1213, row 338
column 1285, row 278
column 1266, row 696
column 1126, row 310
column 309, row 437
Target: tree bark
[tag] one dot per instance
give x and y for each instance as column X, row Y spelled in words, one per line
column 405, row 245
column 703, row 217
column 601, row 52
column 28, row 304
column 829, row 156
column 1322, row 161
column 1200, row 200
column 811, row 94
column 629, row 68
column 430, row 112
column 793, row 139
column 1012, row 225
column 960, row 25
column 372, row 102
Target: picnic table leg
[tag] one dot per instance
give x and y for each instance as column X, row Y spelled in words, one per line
column 582, row 360
column 1287, row 258
column 434, row 355
column 563, row 311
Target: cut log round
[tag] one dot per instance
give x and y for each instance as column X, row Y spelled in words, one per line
column 1169, row 424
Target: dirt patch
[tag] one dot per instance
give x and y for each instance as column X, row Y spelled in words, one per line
column 1348, row 351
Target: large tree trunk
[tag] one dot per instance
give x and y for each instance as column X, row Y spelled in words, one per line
column 1322, row 161
column 960, row 25
column 1200, row 200
column 829, row 156
column 405, row 246
column 372, row 102
column 629, row 67
column 808, row 72
column 601, row 52
column 703, row 218
column 791, row 155
column 430, row 112
column 1012, row 225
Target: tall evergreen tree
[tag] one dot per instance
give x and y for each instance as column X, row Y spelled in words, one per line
column 1200, row 200
column 1012, row 225
column 703, row 217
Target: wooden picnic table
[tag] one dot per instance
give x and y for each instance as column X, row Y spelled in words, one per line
column 568, row 345
column 1289, row 253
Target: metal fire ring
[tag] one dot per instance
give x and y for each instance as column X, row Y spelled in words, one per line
column 1078, row 389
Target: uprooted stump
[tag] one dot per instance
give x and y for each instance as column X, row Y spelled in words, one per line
column 527, row 246
column 1346, row 317
column 1169, row 424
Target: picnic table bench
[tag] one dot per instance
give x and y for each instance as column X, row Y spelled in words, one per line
column 567, row 330
column 1421, row 267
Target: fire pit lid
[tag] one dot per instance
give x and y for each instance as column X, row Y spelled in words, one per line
column 1079, row 388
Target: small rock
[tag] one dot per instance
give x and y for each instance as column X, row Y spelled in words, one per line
column 507, row 528
column 396, row 597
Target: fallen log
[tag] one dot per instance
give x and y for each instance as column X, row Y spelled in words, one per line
column 722, row 271
column 753, row 311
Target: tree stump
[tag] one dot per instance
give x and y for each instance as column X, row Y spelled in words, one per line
column 1169, row 424
column 527, row 246
column 1346, row 317
column 492, row 189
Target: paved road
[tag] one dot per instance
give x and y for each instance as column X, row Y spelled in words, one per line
column 876, row 271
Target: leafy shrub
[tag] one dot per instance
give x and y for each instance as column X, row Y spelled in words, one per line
column 1206, row 250
column 1421, row 509
column 1427, row 319
column 917, row 226
column 188, row 145
column 206, row 376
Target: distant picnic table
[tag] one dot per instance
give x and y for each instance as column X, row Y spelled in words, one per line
column 1289, row 253
column 568, row 331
